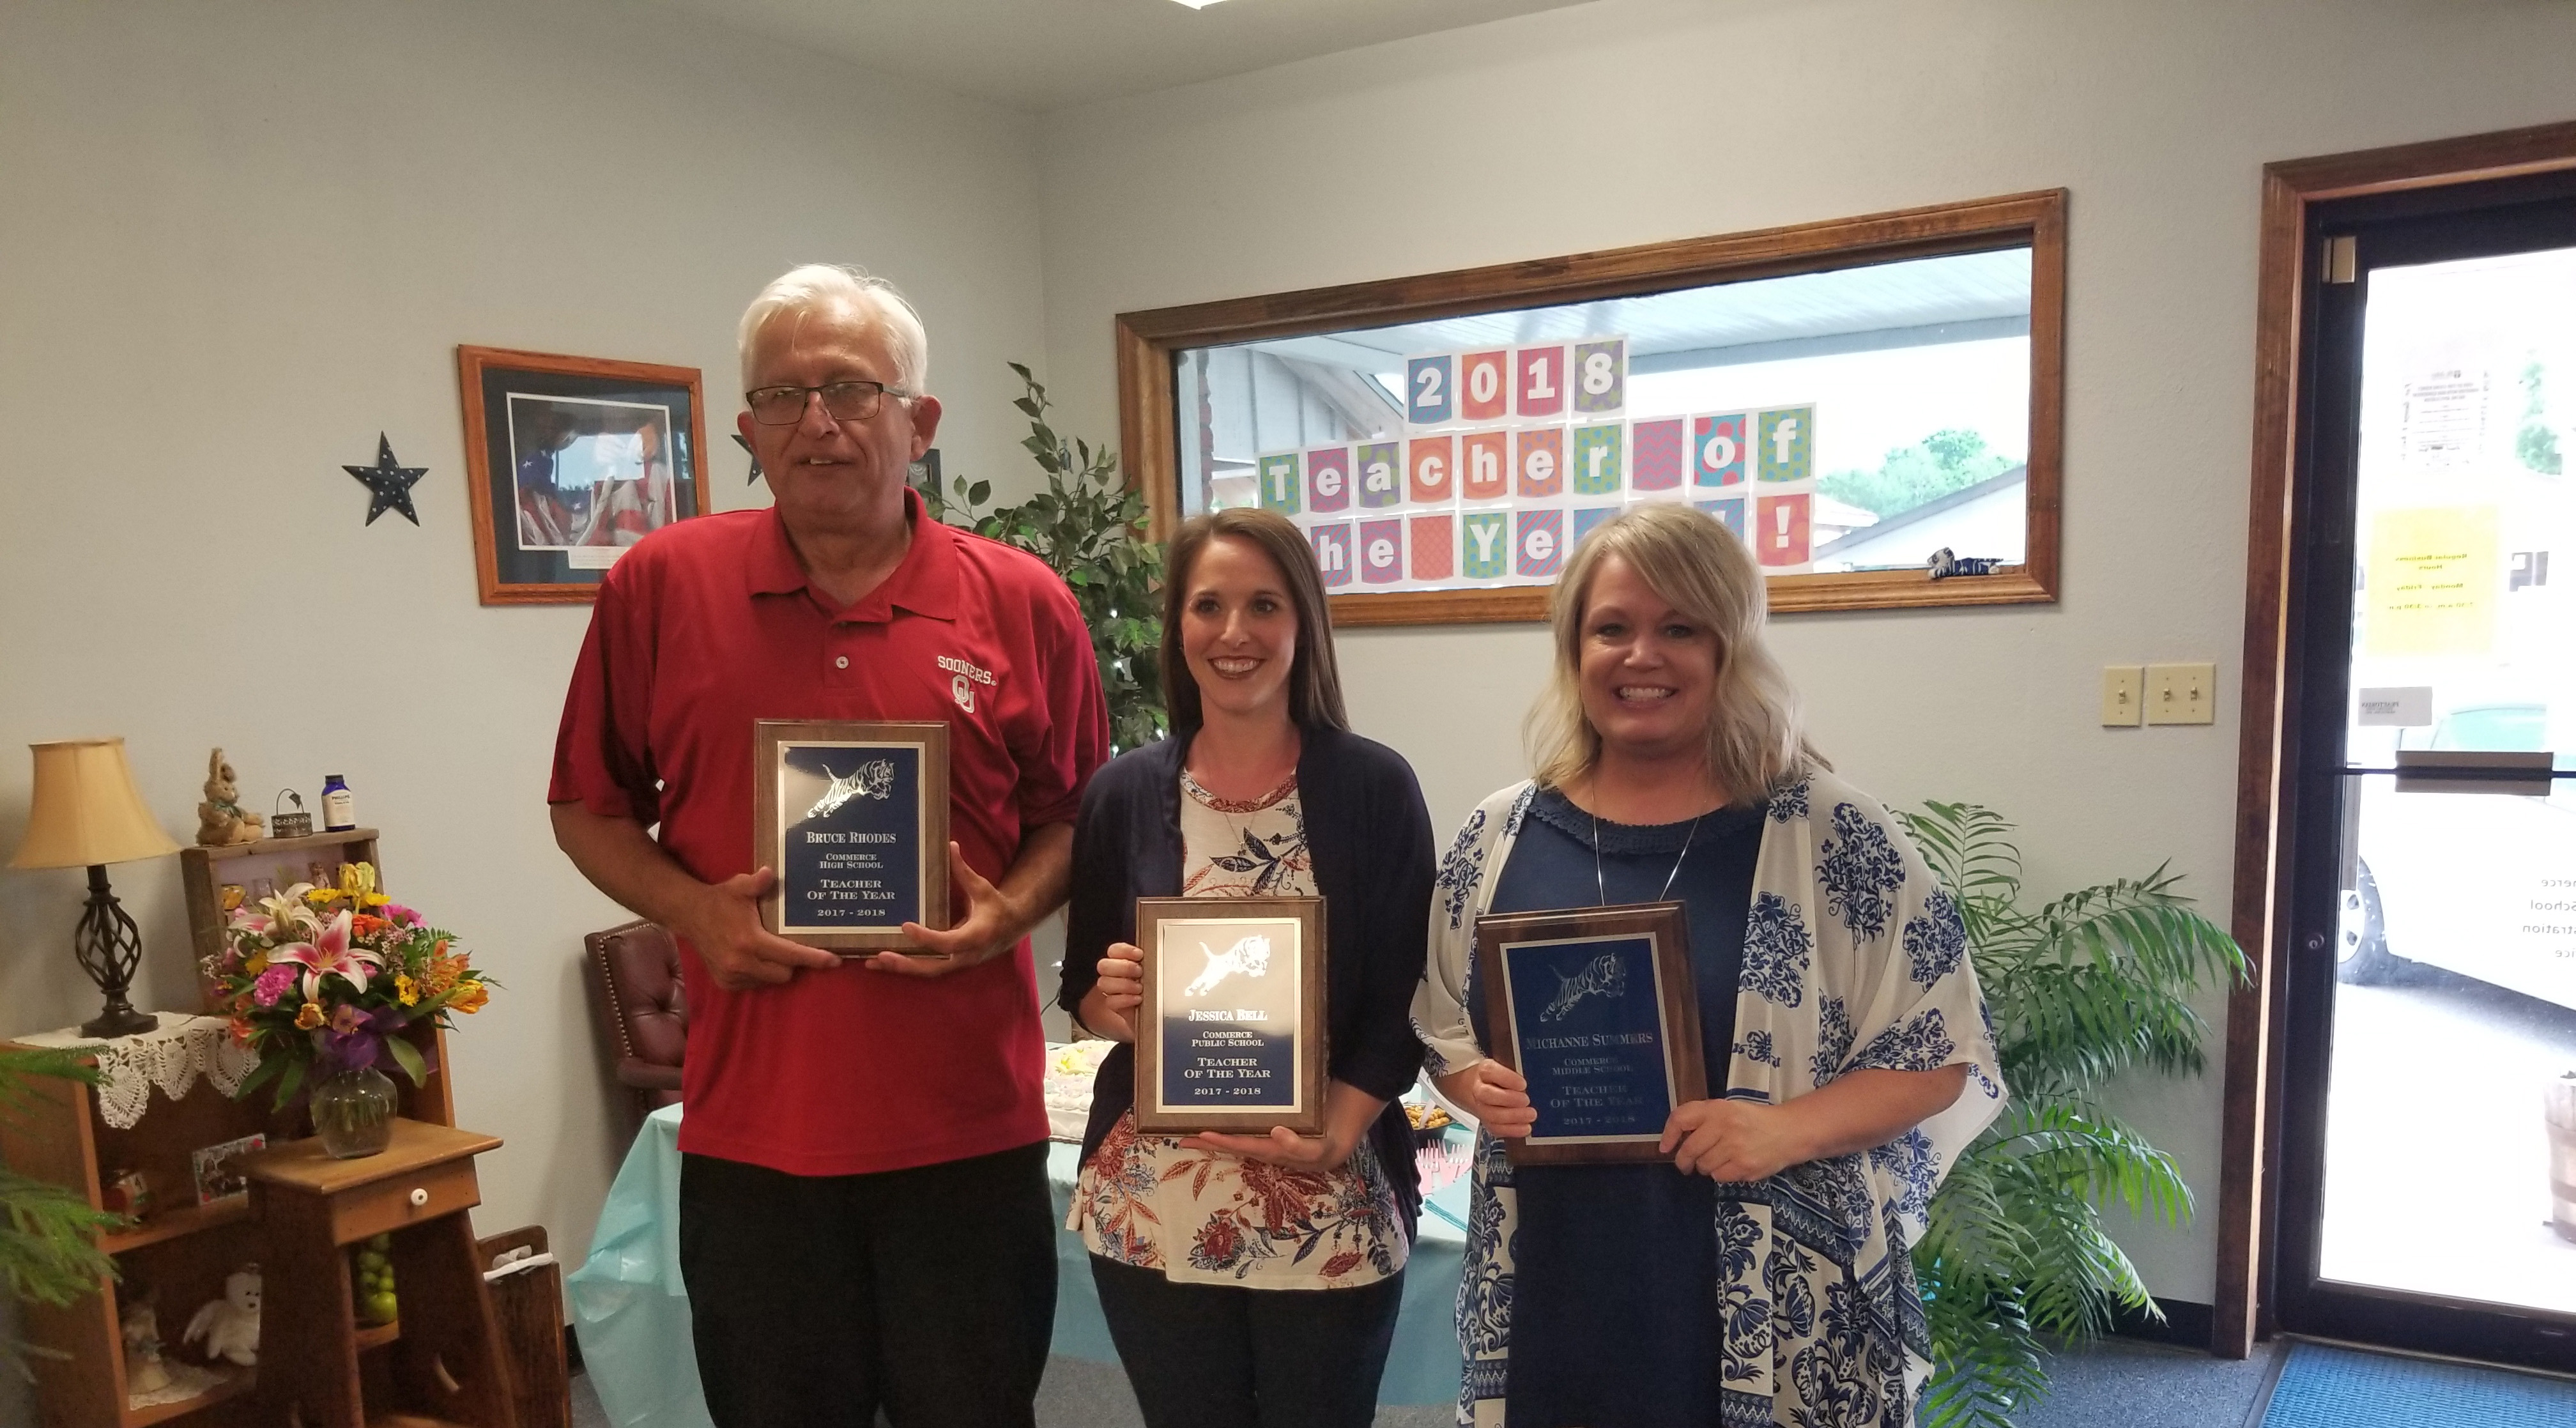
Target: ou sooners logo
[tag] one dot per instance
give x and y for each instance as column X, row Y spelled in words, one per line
column 963, row 692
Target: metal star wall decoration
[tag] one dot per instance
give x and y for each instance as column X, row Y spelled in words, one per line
column 388, row 485
column 755, row 457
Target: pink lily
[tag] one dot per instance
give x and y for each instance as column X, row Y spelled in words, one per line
column 329, row 952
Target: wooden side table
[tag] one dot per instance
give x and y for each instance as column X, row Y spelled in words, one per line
column 441, row 1366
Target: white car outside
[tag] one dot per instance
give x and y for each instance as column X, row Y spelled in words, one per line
column 2483, row 885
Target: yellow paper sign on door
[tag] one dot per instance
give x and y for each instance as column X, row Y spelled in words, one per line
column 2432, row 581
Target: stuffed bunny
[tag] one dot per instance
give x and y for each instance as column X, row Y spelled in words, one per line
column 220, row 819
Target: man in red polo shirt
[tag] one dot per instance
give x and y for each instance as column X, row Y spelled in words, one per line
column 864, row 1216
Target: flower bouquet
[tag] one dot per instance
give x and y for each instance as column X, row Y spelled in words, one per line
column 322, row 981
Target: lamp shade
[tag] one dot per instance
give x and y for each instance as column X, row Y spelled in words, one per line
column 86, row 809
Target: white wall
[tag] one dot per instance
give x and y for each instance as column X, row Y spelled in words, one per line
column 1638, row 120
column 239, row 241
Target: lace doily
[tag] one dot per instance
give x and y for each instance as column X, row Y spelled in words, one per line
column 172, row 1058
column 186, row 1381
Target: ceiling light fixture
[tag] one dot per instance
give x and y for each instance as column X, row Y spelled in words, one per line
column 1198, row 4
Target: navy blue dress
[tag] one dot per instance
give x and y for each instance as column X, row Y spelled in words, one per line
column 1614, row 1311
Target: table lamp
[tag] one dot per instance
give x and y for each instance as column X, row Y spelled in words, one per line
column 87, row 812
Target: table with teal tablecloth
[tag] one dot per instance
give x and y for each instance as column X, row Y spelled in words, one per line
column 632, row 1312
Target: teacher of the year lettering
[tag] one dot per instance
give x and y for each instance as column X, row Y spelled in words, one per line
column 1761, row 1275
column 1253, row 1280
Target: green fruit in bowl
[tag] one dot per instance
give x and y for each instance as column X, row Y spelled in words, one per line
column 379, row 1307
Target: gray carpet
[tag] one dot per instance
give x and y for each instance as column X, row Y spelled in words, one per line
column 2130, row 1384
column 2118, row 1382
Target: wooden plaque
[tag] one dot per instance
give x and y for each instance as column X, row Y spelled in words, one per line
column 1595, row 1008
column 1231, row 1037
column 854, row 816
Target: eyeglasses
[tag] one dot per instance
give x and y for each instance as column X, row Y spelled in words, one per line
column 842, row 401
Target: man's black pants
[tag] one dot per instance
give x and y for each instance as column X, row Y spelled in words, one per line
column 818, row 1299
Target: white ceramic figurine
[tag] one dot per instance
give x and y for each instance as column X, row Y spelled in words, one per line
column 143, row 1370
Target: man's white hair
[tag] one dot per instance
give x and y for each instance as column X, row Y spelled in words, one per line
column 810, row 286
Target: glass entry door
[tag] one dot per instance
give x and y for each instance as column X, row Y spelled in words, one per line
column 2429, row 1129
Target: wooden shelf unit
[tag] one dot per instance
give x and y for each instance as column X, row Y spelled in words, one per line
column 171, row 1224
column 181, row 1252
column 204, row 872
column 417, row 1192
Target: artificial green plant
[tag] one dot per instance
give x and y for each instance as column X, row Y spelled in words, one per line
column 49, row 1250
column 2084, row 989
column 1088, row 526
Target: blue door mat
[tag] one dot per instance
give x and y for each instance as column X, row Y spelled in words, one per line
column 2325, row 1387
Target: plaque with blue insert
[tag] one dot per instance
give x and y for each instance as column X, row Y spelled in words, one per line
column 854, row 817
column 1594, row 1008
column 1231, row 1034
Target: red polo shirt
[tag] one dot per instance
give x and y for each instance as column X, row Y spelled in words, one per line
column 709, row 625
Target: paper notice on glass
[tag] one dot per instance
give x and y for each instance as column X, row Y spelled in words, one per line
column 2446, row 418
column 2398, row 707
column 2431, row 581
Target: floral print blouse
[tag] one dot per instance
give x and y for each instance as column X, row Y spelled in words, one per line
column 1206, row 1217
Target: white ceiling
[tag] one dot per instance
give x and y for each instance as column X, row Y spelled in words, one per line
column 1046, row 54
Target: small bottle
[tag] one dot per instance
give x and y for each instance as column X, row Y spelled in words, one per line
column 339, row 811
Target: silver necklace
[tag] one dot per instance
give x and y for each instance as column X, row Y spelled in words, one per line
column 1601, row 890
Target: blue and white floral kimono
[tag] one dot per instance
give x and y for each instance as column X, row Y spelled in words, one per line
column 1853, row 959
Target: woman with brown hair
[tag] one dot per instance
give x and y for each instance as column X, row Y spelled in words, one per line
column 1253, row 1280
column 1760, row 1275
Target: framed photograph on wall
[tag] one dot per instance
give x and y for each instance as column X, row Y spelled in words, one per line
column 572, row 460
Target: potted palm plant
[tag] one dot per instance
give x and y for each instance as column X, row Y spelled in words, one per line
column 2083, row 989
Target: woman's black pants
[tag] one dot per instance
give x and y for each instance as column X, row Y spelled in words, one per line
column 1220, row 1356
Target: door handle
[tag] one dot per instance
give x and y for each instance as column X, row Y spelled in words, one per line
column 2510, row 773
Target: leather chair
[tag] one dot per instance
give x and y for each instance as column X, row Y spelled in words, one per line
column 644, row 1013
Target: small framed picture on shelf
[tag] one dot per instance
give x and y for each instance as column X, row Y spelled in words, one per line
column 572, row 460
column 218, row 1170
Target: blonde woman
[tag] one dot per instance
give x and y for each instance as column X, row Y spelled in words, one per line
column 1761, row 1274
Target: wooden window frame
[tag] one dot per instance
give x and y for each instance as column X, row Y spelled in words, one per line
column 2267, row 741
column 1149, row 341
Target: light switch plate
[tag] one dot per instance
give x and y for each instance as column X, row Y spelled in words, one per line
column 2182, row 693
column 2123, row 696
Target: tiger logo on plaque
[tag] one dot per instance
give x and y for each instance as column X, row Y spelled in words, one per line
column 1231, row 1036
column 854, row 818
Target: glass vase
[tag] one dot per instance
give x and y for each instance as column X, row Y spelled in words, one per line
column 353, row 1113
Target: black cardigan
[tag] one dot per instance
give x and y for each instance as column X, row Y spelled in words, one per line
column 1370, row 838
